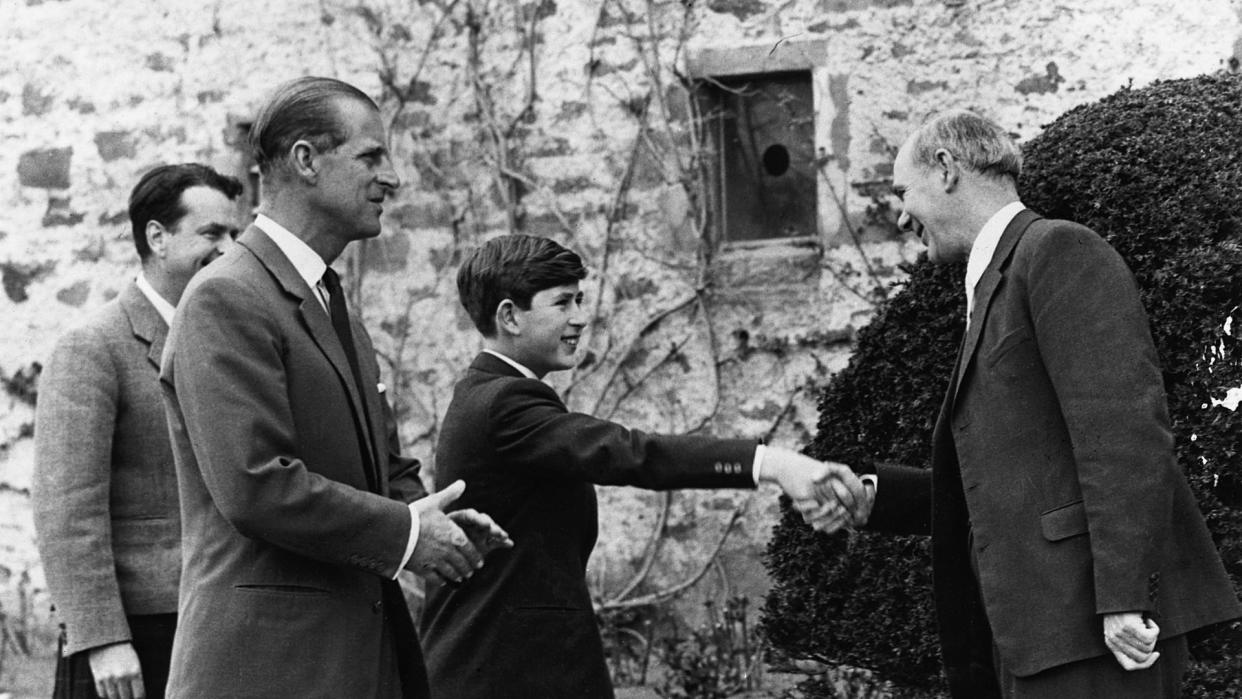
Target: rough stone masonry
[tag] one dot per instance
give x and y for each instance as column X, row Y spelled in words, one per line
column 563, row 118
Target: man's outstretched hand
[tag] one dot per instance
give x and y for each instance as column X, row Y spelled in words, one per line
column 443, row 551
column 828, row 495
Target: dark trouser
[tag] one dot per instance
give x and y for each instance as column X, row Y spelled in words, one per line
column 1102, row 677
column 401, row 644
column 152, row 638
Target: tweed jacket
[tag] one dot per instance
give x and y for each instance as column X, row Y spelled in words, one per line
column 1053, row 468
column 291, row 540
column 104, row 489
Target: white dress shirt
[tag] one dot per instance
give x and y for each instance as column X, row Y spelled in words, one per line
column 162, row 306
column 310, row 267
column 984, row 247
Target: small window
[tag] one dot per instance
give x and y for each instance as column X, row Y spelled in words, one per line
column 762, row 128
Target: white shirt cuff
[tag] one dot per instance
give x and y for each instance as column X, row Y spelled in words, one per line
column 409, row 545
column 873, row 479
column 757, row 467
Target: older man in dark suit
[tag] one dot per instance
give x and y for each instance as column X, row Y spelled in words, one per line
column 105, row 493
column 1070, row 558
column 297, row 511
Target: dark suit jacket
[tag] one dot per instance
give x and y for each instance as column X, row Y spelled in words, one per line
column 524, row 626
column 1053, row 457
column 290, row 545
column 104, row 490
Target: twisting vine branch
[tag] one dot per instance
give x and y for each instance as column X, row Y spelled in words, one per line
column 673, row 591
column 878, row 287
column 651, row 549
column 650, row 325
column 504, row 155
column 615, row 213
column 633, row 385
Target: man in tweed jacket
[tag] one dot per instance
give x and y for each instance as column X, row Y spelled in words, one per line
column 105, row 492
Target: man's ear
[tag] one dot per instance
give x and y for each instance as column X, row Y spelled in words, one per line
column 949, row 169
column 506, row 318
column 157, row 238
column 302, row 160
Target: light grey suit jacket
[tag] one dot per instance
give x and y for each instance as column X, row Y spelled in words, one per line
column 291, row 540
column 105, row 491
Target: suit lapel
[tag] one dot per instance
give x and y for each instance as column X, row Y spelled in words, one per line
column 986, row 290
column 145, row 321
column 314, row 317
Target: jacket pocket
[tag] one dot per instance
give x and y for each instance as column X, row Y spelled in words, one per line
column 282, row 590
column 1064, row 522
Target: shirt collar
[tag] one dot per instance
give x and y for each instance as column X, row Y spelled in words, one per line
column 162, row 306
column 309, row 265
column 521, row 369
column 984, row 246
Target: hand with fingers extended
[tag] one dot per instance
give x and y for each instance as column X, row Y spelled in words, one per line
column 117, row 672
column 443, row 552
column 484, row 533
column 828, row 495
column 1132, row 639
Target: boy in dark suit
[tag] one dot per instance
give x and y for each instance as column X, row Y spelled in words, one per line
column 524, row 625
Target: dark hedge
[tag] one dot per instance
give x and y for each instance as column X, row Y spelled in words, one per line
column 1157, row 171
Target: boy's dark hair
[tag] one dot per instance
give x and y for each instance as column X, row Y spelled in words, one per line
column 514, row 267
column 157, row 197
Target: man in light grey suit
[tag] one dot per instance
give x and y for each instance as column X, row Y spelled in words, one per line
column 298, row 509
column 105, row 491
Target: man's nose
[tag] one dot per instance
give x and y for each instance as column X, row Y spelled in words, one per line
column 388, row 176
column 905, row 222
column 225, row 244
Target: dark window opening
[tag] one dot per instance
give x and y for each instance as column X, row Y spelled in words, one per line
column 763, row 130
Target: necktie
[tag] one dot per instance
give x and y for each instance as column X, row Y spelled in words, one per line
column 340, row 322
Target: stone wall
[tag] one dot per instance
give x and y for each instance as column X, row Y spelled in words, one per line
column 560, row 118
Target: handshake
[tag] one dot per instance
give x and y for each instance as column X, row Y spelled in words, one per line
column 828, row 495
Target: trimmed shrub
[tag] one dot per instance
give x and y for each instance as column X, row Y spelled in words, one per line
column 1157, row 171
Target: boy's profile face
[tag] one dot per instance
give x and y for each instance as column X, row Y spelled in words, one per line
column 550, row 329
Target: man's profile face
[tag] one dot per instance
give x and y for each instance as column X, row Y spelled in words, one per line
column 550, row 329
column 208, row 229
column 355, row 177
column 925, row 206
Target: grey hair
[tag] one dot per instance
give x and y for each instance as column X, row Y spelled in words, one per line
column 977, row 142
